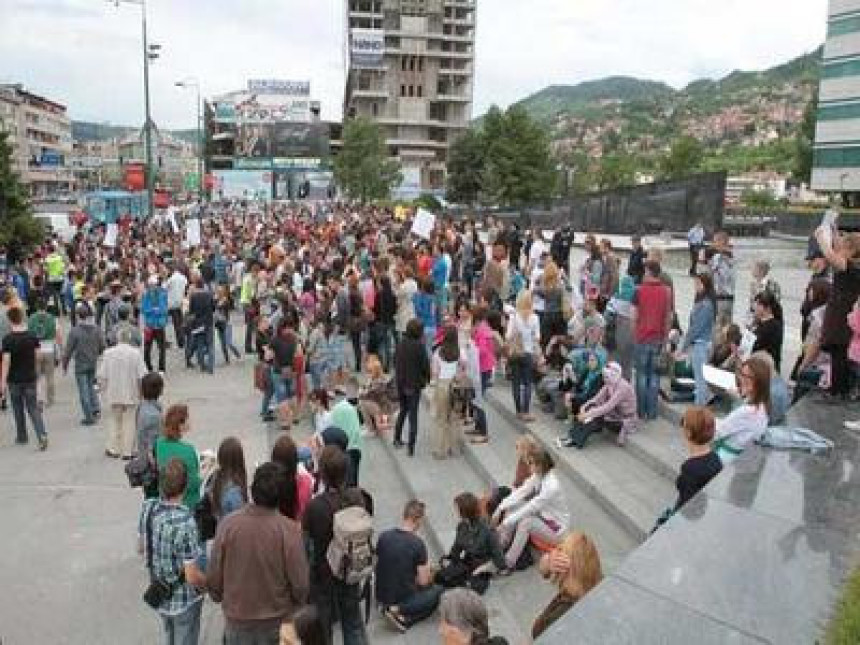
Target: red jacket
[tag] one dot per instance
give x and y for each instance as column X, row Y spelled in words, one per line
column 653, row 302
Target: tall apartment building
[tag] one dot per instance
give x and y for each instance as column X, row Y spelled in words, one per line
column 41, row 138
column 411, row 69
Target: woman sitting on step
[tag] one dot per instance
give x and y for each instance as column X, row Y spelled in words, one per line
column 573, row 567
column 612, row 408
column 535, row 509
column 748, row 422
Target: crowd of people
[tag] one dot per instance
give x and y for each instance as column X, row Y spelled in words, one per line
column 351, row 321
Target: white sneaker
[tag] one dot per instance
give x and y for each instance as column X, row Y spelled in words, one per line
column 853, row 425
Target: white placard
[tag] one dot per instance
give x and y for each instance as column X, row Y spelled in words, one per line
column 111, row 235
column 192, row 232
column 484, row 237
column 720, row 378
column 424, row 223
column 171, row 214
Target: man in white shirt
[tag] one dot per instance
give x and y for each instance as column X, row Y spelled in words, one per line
column 176, row 285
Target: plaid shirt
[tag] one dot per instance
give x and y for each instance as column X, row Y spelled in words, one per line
column 174, row 542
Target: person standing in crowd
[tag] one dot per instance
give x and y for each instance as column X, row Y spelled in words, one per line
column 43, row 325
column 344, row 415
column 176, row 285
column 700, row 332
column 223, row 325
column 258, row 570
column 843, row 255
column 695, row 240
column 404, row 576
column 407, row 287
column 172, row 444
column 18, row 378
column 119, row 375
column 150, row 425
column 332, row 596
column 201, row 311
column 636, row 262
column 168, row 537
column 299, row 484
column 55, row 269
column 154, row 310
column 523, row 343
column 412, row 373
column 653, row 318
column 446, row 360
column 722, row 269
column 250, row 304
column 85, row 345
column 385, row 309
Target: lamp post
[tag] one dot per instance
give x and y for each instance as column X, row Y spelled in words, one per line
column 192, row 83
column 150, row 53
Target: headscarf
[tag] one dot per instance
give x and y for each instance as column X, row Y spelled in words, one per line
column 612, row 373
column 626, row 289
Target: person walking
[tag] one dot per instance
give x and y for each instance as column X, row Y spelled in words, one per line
column 695, row 240
column 172, row 444
column 119, row 375
column 176, row 285
column 722, row 268
column 18, row 377
column 85, row 344
column 43, row 325
column 149, row 423
column 412, row 373
column 201, row 310
column 652, row 320
column 55, row 268
column 258, row 570
column 168, row 536
column 154, row 309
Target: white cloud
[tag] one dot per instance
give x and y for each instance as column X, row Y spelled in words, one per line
column 87, row 53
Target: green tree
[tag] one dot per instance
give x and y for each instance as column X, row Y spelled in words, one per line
column 19, row 230
column 759, row 199
column 684, row 159
column 519, row 169
column 802, row 169
column 363, row 168
column 615, row 170
column 428, row 202
column 466, row 160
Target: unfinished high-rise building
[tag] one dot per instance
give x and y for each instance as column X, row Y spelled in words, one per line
column 410, row 68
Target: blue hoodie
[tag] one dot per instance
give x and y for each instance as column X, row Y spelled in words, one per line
column 154, row 308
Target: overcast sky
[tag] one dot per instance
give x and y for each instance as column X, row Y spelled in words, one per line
column 87, row 53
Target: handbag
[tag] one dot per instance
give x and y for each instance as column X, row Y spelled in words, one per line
column 139, row 472
column 204, row 516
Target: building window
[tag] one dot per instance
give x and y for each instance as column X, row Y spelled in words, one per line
column 412, row 63
column 420, row 91
column 420, row 64
column 374, row 108
column 403, row 63
column 411, row 91
column 402, row 90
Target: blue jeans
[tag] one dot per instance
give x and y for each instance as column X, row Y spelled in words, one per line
column 385, row 336
column 284, row 389
column 699, row 358
column 317, row 372
column 205, row 351
column 269, row 394
column 335, row 599
column 87, row 392
column 21, row 396
column 421, row 604
column 522, row 369
column 184, row 628
column 647, row 382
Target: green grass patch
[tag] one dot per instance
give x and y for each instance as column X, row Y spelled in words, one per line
column 844, row 628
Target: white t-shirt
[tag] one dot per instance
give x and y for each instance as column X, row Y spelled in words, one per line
column 445, row 370
column 175, row 285
column 528, row 328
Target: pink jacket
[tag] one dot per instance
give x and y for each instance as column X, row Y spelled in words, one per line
column 483, row 337
column 616, row 400
column 854, row 346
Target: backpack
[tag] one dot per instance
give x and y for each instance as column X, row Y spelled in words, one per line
column 350, row 553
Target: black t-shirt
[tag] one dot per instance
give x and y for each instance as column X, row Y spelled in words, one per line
column 201, row 306
column 399, row 554
column 769, row 338
column 21, row 347
column 695, row 474
column 284, row 350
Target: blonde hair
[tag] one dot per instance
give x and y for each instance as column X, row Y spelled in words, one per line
column 526, row 446
column 551, row 275
column 525, row 305
column 585, row 570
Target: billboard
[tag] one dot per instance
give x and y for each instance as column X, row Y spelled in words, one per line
column 298, row 140
column 243, row 184
column 278, row 86
column 263, row 109
column 367, row 47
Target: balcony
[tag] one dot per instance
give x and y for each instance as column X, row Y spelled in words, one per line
column 378, row 93
column 453, row 98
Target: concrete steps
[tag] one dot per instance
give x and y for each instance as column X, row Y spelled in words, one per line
column 632, row 486
column 436, row 483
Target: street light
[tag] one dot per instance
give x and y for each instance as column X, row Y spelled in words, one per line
column 193, row 83
column 150, row 53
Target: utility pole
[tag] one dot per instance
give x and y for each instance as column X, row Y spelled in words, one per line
column 193, row 83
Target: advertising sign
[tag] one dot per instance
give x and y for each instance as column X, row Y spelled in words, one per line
column 244, row 184
column 278, row 86
column 298, row 140
column 253, row 141
column 135, row 177
column 263, row 109
column 367, row 47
